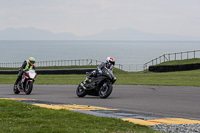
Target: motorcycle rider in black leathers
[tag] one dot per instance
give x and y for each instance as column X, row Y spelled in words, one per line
column 110, row 62
column 27, row 64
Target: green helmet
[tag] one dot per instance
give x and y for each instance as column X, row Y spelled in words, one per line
column 32, row 60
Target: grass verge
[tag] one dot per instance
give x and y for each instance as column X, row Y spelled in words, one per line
column 181, row 62
column 20, row 117
column 179, row 78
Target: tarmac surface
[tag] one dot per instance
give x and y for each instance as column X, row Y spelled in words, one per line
column 126, row 101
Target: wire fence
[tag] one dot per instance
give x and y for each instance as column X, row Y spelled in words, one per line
column 172, row 57
column 78, row 62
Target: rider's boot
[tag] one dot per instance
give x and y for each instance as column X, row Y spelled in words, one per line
column 17, row 81
column 86, row 80
column 85, row 85
column 15, row 86
column 88, row 77
column 20, row 86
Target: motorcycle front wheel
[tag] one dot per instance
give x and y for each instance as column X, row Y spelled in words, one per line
column 80, row 92
column 105, row 90
column 29, row 87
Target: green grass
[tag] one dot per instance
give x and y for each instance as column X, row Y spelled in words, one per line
column 181, row 62
column 179, row 78
column 19, row 117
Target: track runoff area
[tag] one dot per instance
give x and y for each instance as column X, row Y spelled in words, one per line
column 137, row 118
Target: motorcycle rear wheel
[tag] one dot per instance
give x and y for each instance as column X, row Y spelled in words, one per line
column 29, row 88
column 105, row 90
column 80, row 92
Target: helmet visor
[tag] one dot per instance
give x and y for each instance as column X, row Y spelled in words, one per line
column 112, row 62
column 32, row 62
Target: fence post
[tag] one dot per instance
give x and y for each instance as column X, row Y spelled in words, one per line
column 175, row 56
column 82, row 62
column 160, row 59
column 181, row 56
column 164, row 57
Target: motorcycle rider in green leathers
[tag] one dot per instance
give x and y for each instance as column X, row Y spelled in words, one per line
column 27, row 65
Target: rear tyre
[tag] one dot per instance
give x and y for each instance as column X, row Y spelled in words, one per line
column 29, row 88
column 105, row 90
column 15, row 89
column 80, row 92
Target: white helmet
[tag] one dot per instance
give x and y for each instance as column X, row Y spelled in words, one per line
column 110, row 61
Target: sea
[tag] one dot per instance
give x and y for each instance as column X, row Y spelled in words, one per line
column 132, row 55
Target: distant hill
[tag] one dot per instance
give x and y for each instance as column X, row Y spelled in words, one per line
column 34, row 34
column 132, row 34
column 118, row 34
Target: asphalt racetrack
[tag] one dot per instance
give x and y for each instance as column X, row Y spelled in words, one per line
column 176, row 101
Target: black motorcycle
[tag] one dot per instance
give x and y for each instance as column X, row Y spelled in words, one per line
column 101, row 85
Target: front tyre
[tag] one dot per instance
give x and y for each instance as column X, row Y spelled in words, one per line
column 80, row 92
column 105, row 90
column 29, row 88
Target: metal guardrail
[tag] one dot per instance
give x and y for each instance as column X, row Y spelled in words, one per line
column 77, row 62
column 173, row 56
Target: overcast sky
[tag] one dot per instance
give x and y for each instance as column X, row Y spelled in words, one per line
column 85, row 17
